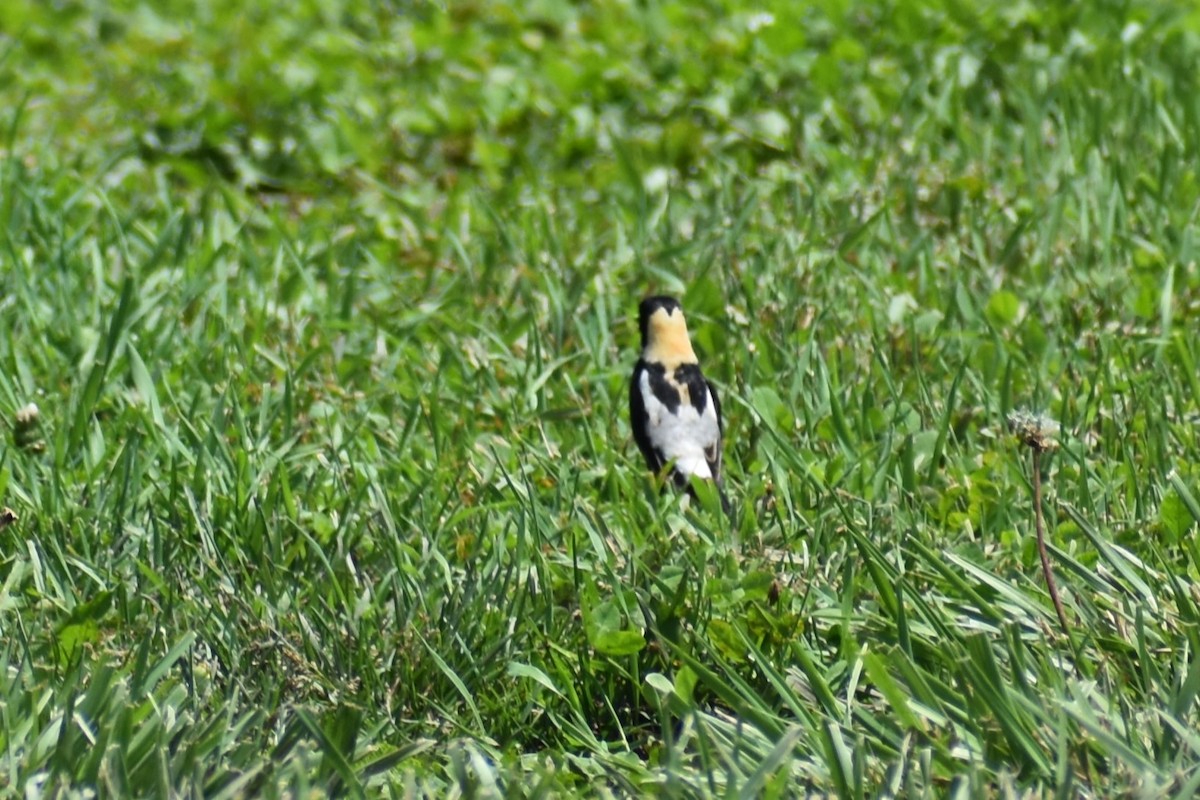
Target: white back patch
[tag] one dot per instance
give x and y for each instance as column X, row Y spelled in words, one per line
column 682, row 437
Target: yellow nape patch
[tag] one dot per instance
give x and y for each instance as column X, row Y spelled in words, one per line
column 667, row 340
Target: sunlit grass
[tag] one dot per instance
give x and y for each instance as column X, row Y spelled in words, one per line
column 328, row 320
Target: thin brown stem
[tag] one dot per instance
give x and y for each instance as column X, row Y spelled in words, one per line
column 1041, row 541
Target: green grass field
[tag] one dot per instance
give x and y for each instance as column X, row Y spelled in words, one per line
column 328, row 310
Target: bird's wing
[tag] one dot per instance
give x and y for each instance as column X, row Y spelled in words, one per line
column 639, row 421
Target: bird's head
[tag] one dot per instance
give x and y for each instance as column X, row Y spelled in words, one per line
column 664, row 332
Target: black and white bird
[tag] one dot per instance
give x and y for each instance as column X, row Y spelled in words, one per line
column 673, row 408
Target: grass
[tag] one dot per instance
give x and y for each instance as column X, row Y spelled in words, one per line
column 328, row 312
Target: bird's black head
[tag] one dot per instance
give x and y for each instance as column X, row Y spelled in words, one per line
column 649, row 306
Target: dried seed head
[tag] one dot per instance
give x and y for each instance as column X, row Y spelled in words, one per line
column 27, row 416
column 1035, row 430
column 25, row 429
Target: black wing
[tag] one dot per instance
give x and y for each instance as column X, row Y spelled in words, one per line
column 639, row 420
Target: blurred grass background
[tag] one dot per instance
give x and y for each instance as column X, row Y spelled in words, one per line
column 328, row 311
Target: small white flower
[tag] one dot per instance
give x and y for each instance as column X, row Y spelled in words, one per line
column 656, row 180
column 757, row 22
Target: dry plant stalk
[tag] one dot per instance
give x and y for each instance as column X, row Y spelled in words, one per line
column 1037, row 433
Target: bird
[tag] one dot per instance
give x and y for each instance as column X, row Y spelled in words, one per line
column 673, row 409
